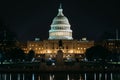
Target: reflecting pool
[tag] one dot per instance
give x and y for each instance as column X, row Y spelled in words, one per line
column 60, row 76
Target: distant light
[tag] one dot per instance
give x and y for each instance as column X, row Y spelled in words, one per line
column 84, row 39
column 50, row 58
column 37, row 39
column 53, row 64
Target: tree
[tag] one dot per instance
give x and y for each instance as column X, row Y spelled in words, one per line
column 15, row 54
column 30, row 55
column 6, row 33
column 97, row 52
column 1, row 56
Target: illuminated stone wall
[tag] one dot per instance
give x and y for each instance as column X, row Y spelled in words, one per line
column 50, row 47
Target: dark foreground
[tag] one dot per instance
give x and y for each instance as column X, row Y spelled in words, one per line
column 60, row 76
column 76, row 67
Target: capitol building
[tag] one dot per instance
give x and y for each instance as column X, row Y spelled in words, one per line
column 60, row 33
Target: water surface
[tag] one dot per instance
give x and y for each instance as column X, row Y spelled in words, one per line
column 60, row 76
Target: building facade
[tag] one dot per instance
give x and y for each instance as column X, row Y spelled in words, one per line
column 50, row 47
column 60, row 30
column 112, row 45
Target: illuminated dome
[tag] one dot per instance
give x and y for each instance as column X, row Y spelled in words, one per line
column 60, row 20
column 60, row 27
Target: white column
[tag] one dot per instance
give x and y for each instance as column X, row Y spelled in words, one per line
column 33, row 77
column 18, row 76
column 23, row 76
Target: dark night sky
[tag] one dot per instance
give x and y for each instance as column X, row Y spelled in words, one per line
column 32, row 18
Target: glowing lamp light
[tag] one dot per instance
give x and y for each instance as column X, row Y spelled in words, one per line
column 71, row 51
column 49, row 51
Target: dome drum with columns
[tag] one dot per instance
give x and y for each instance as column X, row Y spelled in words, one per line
column 60, row 27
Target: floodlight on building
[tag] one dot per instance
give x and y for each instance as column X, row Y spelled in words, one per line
column 37, row 39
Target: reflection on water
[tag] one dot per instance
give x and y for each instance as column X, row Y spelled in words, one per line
column 60, row 76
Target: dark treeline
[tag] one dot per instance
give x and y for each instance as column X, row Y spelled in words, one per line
column 6, row 33
column 16, row 55
column 9, row 49
column 100, row 53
